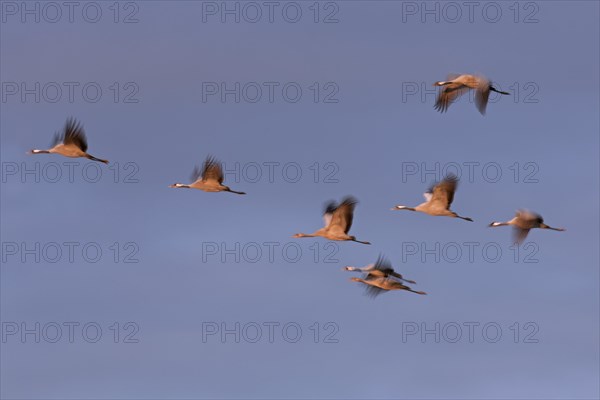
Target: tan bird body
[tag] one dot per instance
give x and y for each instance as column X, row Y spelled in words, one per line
column 71, row 143
column 209, row 178
column 455, row 85
column 439, row 198
column 378, row 285
column 524, row 221
column 338, row 220
column 381, row 268
column 379, row 279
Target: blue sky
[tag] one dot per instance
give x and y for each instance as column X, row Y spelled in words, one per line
column 361, row 140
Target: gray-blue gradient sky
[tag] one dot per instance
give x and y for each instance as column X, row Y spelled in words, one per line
column 373, row 55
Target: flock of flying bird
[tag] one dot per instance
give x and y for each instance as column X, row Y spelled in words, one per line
column 379, row 277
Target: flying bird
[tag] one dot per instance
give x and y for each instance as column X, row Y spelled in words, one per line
column 438, row 199
column 524, row 221
column 70, row 143
column 338, row 220
column 456, row 85
column 381, row 268
column 379, row 285
column 377, row 282
column 209, row 178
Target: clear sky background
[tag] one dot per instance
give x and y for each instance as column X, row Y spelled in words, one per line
column 373, row 55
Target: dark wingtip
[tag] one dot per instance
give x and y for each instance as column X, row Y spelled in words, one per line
column 439, row 108
column 349, row 200
column 330, row 207
column 450, row 177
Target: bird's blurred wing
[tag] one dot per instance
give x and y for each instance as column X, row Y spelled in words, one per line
column 373, row 291
column 212, row 170
column 443, row 192
column 56, row 139
column 383, row 265
column 529, row 216
column 519, row 234
column 343, row 215
column 482, row 95
column 448, row 94
column 74, row 134
column 330, row 207
column 196, row 174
